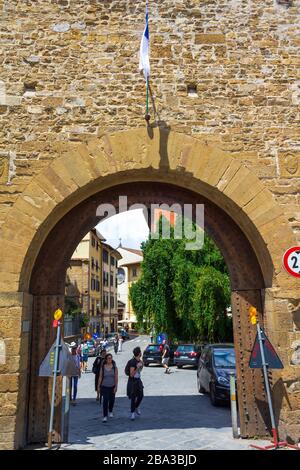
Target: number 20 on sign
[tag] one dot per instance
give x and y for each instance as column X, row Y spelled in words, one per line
column 291, row 261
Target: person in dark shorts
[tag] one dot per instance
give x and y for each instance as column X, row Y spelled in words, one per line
column 166, row 357
column 135, row 387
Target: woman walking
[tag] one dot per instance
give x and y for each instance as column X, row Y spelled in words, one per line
column 108, row 385
column 74, row 379
column 120, row 343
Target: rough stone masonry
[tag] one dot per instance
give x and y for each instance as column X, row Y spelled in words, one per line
column 223, row 70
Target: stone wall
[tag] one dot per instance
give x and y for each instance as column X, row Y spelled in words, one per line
column 225, row 71
column 77, row 283
column 70, row 70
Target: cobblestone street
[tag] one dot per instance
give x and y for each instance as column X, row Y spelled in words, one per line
column 174, row 415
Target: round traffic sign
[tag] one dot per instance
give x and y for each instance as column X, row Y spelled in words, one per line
column 291, row 261
column 58, row 314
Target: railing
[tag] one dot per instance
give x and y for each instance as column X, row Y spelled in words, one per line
column 71, row 326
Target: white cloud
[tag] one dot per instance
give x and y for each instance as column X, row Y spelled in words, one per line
column 130, row 226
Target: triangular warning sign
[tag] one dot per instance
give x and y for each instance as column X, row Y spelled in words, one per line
column 66, row 363
column 271, row 357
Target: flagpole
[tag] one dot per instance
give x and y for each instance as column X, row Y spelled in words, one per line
column 147, row 116
column 147, row 99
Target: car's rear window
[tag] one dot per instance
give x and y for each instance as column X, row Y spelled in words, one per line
column 153, row 348
column 186, row 348
column 224, row 357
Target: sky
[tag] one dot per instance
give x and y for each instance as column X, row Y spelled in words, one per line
column 130, row 226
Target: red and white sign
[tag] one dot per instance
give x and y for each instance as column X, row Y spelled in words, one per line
column 291, row 261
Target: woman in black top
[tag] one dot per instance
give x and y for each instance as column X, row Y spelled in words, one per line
column 97, row 368
column 135, row 387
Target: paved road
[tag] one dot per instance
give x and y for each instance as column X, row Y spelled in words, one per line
column 174, row 415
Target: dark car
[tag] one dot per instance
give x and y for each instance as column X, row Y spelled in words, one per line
column 124, row 335
column 153, row 354
column 110, row 337
column 187, row 355
column 216, row 363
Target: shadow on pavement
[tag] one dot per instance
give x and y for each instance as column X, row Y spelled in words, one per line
column 173, row 412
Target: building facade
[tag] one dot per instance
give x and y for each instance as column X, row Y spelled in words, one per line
column 129, row 272
column 110, row 258
column 84, row 280
column 92, row 283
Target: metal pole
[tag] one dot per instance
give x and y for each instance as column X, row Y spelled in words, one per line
column 67, row 410
column 267, row 385
column 55, row 371
column 147, row 96
column 233, row 406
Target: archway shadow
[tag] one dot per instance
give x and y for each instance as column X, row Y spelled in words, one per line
column 164, row 131
column 176, row 412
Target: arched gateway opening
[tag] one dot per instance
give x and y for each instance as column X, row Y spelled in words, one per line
column 149, row 167
column 48, row 285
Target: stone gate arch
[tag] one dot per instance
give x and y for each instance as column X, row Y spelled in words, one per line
column 148, row 163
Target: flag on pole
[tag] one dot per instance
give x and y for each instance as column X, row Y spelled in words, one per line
column 145, row 49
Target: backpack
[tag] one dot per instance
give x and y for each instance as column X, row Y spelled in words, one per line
column 127, row 368
column 85, row 350
column 96, row 366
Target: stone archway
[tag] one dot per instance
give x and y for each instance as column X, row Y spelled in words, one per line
column 67, row 192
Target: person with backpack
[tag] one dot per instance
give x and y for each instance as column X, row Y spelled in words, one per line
column 135, row 387
column 108, row 385
column 96, row 370
column 84, row 350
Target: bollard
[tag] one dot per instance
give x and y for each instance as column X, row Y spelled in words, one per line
column 233, row 406
column 66, row 410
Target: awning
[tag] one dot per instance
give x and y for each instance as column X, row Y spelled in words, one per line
column 127, row 321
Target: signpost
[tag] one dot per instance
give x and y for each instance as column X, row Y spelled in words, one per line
column 58, row 361
column 57, row 317
column 291, row 261
column 264, row 357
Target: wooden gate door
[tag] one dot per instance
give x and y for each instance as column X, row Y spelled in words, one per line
column 252, row 402
column 40, row 388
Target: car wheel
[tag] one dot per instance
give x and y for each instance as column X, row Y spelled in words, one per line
column 200, row 388
column 146, row 364
column 212, row 394
column 179, row 367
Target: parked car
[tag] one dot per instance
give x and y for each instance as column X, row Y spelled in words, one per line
column 124, row 334
column 153, row 354
column 187, row 355
column 110, row 337
column 216, row 363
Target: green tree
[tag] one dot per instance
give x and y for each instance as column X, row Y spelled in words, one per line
column 211, row 297
column 183, row 292
column 71, row 307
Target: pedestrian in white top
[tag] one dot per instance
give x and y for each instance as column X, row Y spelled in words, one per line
column 120, row 343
